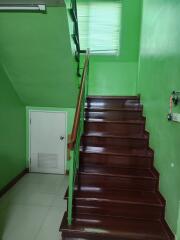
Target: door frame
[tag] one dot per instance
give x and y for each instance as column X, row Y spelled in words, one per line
column 28, row 134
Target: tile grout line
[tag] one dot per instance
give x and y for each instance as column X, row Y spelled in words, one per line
column 40, row 227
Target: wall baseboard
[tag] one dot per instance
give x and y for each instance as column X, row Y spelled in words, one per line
column 13, row 182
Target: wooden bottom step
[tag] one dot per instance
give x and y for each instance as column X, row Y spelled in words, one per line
column 132, row 204
column 88, row 227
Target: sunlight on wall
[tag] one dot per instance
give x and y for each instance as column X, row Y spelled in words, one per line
column 166, row 42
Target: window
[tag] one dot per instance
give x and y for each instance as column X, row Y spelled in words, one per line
column 99, row 26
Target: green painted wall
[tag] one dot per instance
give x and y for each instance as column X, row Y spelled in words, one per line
column 36, row 52
column 38, row 70
column 159, row 74
column 112, row 78
column 117, row 75
column 12, row 131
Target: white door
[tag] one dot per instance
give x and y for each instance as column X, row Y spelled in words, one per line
column 47, row 142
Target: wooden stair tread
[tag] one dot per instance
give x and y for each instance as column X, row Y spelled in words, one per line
column 114, row 97
column 133, row 197
column 113, row 102
column 114, row 115
column 117, row 171
column 95, row 120
column 107, row 135
column 124, row 109
column 142, row 162
column 117, row 151
column 115, row 228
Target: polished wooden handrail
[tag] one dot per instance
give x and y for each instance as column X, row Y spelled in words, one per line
column 72, row 142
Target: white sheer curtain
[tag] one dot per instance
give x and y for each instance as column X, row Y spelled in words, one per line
column 100, row 25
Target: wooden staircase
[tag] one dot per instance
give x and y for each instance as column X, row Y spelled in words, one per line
column 116, row 194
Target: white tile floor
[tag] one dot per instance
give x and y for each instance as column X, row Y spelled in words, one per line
column 33, row 208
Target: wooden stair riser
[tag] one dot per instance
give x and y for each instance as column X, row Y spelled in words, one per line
column 115, row 160
column 115, row 142
column 76, row 236
column 106, row 103
column 117, row 129
column 128, row 210
column 87, row 236
column 113, row 115
column 117, row 183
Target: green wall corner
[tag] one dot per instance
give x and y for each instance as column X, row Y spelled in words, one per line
column 12, row 129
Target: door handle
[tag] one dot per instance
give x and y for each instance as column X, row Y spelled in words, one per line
column 61, row 138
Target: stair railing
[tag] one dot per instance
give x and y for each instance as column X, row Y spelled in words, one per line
column 78, row 128
column 75, row 36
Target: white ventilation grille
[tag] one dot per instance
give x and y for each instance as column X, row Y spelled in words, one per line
column 100, row 25
column 47, row 160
